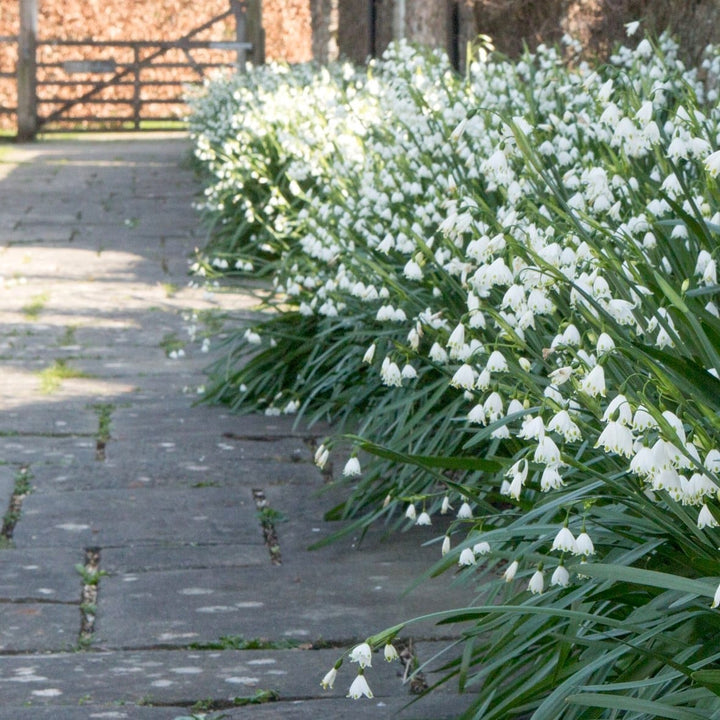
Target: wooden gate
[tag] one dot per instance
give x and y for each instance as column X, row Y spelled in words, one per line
column 121, row 84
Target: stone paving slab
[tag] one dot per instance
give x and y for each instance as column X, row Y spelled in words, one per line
column 7, row 486
column 339, row 601
column 172, row 470
column 130, row 559
column 87, row 711
column 177, row 410
column 53, row 418
column 165, row 473
column 28, row 626
column 53, row 449
column 184, row 677
column 432, row 708
column 101, row 518
column 46, row 574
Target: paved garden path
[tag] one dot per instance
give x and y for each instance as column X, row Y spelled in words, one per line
column 135, row 577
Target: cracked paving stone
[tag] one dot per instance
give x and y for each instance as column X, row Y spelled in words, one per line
column 181, row 677
column 144, row 516
column 291, row 601
column 43, row 574
column 42, row 627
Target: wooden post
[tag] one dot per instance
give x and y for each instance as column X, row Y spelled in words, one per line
column 255, row 33
column 27, row 119
column 398, row 25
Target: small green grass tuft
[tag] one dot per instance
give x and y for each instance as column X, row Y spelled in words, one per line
column 68, row 336
column 36, row 305
column 104, row 412
column 170, row 289
column 51, row 377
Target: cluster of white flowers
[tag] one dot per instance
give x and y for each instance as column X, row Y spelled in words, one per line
column 514, row 237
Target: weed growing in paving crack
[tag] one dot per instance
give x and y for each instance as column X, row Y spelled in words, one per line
column 21, row 489
column 35, row 306
column 51, row 377
column 238, row 642
column 90, row 573
column 170, row 289
column 209, row 704
column 104, row 412
column 268, row 518
column 68, row 336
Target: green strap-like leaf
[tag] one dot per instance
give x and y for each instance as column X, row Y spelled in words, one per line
column 430, row 461
column 624, row 703
column 709, row 679
column 653, row 578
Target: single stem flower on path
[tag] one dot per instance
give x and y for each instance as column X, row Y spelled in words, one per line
column 359, row 688
column 362, row 655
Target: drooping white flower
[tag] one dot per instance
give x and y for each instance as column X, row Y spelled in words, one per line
column 496, row 362
column 584, row 545
column 329, row 679
column 618, row 409
column 423, row 519
column 352, row 467
column 594, row 382
column 359, row 688
column 517, row 474
column 712, row 164
column 483, row 380
column 560, row 577
column 564, row 425
column 467, row 557
column 643, row 420
column 369, row 354
column 547, row 452
column 390, row 652
column 511, row 571
column 551, row 479
column 616, row 438
column 564, row 540
column 605, row 344
column 412, row 271
column 537, row 582
column 706, row 518
column 561, row 375
column 532, row 429
column 632, row 27
column 390, row 374
column 464, row 377
column 709, row 276
column 362, row 655
column 465, row 512
column 410, row 512
column 445, row 506
column 437, row 353
column 493, row 406
column 716, row 599
column 408, row 372
column 445, row 548
column 477, row 414
column 457, row 337
column 321, row 456
column 481, row 548
column 252, row 337
column 712, row 461
column 571, row 336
